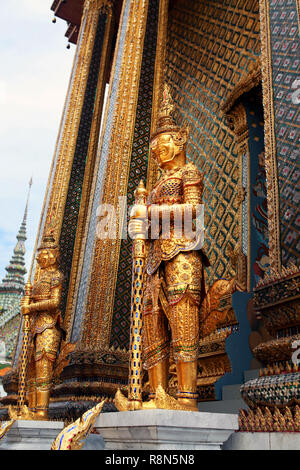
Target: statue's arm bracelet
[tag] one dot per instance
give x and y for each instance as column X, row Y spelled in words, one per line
column 49, row 304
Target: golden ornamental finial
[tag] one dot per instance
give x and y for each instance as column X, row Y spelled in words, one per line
column 165, row 121
column 167, row 103
column 140, row 190
column 50, row 236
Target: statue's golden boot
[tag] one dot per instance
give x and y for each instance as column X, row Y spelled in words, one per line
column 42, row 404
column 187, row 385
column 158, row 375
column 123, row 404
column 149, row 405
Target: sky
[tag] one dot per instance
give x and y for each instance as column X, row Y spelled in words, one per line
column 35, row 67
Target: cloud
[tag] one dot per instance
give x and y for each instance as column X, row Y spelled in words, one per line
column 36, row 7
column 35, row 10
column 3, row 92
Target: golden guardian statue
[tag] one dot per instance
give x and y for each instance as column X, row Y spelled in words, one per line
column 174, row 269
column 42, row 333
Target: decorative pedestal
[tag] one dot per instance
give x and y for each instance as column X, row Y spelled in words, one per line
column 31, row 435
column 165, row 429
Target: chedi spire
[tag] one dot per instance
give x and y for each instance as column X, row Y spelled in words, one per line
column 14, row 279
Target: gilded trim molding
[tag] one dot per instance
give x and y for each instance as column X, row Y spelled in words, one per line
column 98, row 5
column 83, row 278
column 236, row 119
column 89, row 171
column 99, row 304
column 270, row 139
column 159, row 77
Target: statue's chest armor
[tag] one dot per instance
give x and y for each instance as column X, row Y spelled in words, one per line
column 42, row 288
column 168, row 191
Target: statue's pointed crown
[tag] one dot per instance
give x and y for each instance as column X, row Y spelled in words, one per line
column 48, row 242
column 49, row 237
column 165, row 121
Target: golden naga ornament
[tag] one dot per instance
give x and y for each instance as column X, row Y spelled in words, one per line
column 42, row 333
column 173, row 281
column 72, row 436
column 5, row 427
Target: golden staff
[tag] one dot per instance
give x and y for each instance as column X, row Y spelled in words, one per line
column 24, row 352
column 23, row 360
column 137, row 292
column 26, row 334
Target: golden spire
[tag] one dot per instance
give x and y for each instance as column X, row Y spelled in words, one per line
column 167, row 104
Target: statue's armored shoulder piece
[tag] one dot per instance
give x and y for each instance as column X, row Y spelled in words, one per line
column 56, row 279
column 192, row 184
column 191, row 174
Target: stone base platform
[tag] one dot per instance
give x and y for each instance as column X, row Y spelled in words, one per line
column 263, row 441
column 165, row 429
column 31, row 435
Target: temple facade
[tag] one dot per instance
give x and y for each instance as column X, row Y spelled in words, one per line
column 233, row 70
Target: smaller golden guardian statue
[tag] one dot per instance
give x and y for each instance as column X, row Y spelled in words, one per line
column 42, row 333
column 174, row 270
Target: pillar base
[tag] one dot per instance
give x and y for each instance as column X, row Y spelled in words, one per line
column 165, row 429
column 31, row 435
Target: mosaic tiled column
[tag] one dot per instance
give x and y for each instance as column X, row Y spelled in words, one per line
column 280, row 67
column 89, row 101
column 100, row 316
column 276, row 297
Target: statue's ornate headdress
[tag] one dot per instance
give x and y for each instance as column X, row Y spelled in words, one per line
column 48, row 241
column 165, row 121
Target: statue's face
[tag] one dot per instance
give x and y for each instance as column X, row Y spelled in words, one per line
column 46, row 258
column 164, row 149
